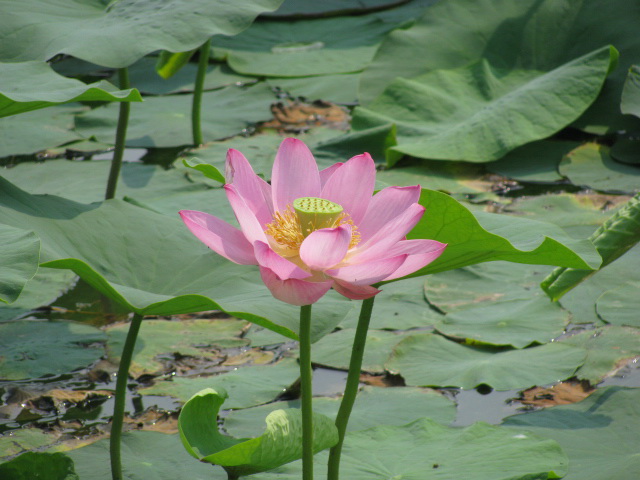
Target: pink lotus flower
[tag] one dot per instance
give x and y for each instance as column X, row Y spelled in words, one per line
column 313, row 230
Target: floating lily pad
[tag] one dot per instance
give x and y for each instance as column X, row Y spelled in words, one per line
column 607, row 349
column 247, row 386
column 450, row 177
column 58, row 347
column 303, row 48
column 370, row 410
column 85, row 182
column 24, row 439
column 45, row 466
column 33, row 85
column 591, row 166
column 517, row 322
column 598, row 434
column 197, row 338
column 143, row 76
column 621, row 305
column 534, row 162
column 482, row 285
column 35, row 131
column 341, row 88
column 530, row 34
column 579, row 215
column 334, row 350
column 431, row 360
column 280, row 443
column 164, row 121
column 259, row 149
column 581, row 301
column 494, row 109
column 144, row 455
column 426, row 449
column 119, row 33
column 42, row 289
column 18, row 261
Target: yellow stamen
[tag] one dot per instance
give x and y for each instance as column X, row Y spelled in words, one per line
column 285, row 229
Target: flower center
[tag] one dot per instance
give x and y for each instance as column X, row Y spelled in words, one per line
column 315, row 213
column 308, row 214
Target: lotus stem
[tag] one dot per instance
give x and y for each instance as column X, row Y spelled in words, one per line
column 351, row 388
column 121, row 137
column 196, row 107
column 121, row 393
column 306, row 392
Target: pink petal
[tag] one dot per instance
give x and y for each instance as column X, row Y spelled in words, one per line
column 355, row 292
column 327, row 172
column 326, row 247
column 369, row 272
column 352, row 186
column 295, row 174
column 246, row 218
column 253, row 189
column 386, row 205
column 391, row 233
column 282, row 267
column 294, row 291
column 219, row 236
column 420, row 254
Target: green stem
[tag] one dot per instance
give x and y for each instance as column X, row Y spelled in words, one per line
column 351, row 389
column 306, row 392
column 196, row 107
column 121, row 393
column 121, row 137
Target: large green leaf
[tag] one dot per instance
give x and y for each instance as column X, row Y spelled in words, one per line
column 43, row 466
column 196, row 338
column 164, row 121
column 303, row 48
column 489, row 237
column 23, row 440
column 591, row 165
column 34, row 131
column 34, row 349
column 30, row 86
column 598, row 434
column 247, row 386
column 612, row 239
column 480, row 112
column 151, row 264
column 621, row 305
column 527, row 34
column 280, row 443
column 432, row 360
column 608, row 349
column 116, row 34
column 18, row 261
column 145, row 455
column 427, row 450
column 370, row 410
